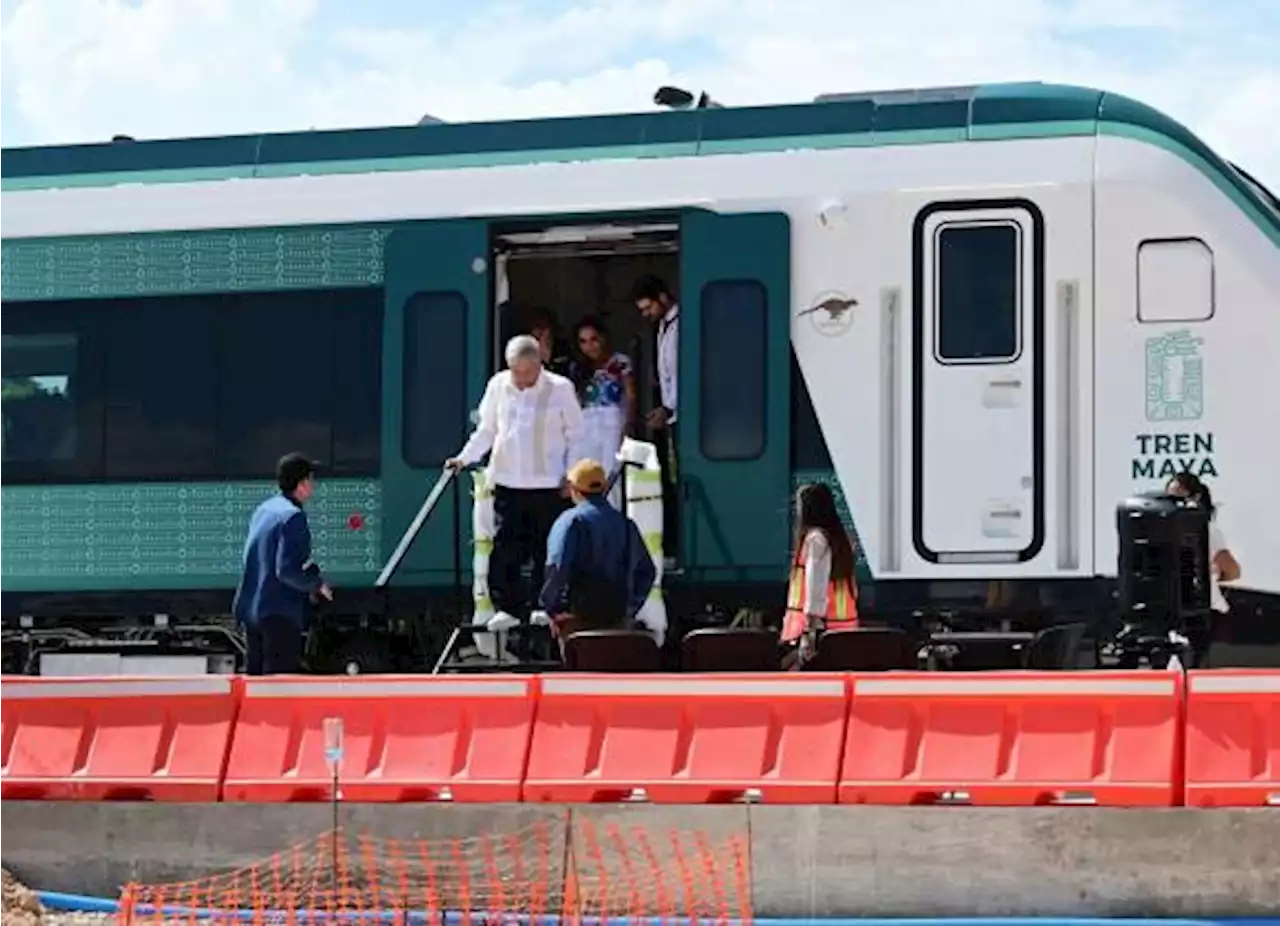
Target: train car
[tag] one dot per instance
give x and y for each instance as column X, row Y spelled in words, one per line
column 983, row 314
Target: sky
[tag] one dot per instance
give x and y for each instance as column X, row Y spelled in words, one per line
column 84, row 70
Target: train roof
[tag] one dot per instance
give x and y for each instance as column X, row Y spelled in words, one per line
column 930, row 115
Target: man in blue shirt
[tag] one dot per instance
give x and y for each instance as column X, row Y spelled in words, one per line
column 273, row 600
column 599, row 571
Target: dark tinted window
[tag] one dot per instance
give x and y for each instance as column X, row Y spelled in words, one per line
column 808, row 445
column 192, row 386
column 276, row 382
column 51, row 398
column 39, row 374
column 435, row 383
column 161, row 361
column 300, row 371
column 357, row 381
column 977, row 292
column 732, row 370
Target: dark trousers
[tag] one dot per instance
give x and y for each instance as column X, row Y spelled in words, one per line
column 666, row 442
column 274, row 646
column 522, row 520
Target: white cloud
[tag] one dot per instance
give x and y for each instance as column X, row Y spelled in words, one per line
column 85, row 69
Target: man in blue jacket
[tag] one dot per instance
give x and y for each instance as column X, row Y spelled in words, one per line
column 279, row 582
column 599, row 571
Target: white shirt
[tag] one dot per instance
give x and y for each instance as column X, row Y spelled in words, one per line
column 817, row 572
column 533, row 433
column 669, row 357
column 1217, row 543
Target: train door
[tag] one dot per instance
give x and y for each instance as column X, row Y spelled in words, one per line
column 733, row 436
column 436, row 362
column 978, row 371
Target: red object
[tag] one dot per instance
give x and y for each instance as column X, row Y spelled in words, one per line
column 687, row 739
column 355, row 521
column 116, row 738
column 1014, row 739
column 405, row 738
column 1233, row 738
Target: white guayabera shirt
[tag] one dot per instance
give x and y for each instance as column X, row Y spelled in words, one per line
column 532, row 435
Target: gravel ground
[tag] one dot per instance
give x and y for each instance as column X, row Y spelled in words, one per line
column 22, row 908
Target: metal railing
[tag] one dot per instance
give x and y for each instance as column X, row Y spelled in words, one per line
column 447, row 477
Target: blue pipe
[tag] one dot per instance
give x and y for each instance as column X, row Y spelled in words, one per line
column 78, row 903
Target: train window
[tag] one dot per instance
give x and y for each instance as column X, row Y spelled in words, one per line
column 299, row 371
column 161, row 395
column 357, row 380
column 732, row 370
column 275, row 382
column 192, row 386
column 977, row 282
column 1175, row 280
column 38, row 401
column 435, row 377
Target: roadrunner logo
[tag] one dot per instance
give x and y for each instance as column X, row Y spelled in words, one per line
column 831, row 315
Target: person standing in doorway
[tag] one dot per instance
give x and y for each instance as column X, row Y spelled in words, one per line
column 530, row 425
column 607, row 390
column 278, row 582
column 555, row 354
column 654, row 300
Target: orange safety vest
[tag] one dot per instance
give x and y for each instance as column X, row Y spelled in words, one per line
column 842, row 602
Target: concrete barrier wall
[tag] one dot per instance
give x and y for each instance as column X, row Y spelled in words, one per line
column 804, row 861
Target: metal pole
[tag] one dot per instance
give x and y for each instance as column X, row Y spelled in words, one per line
column 415, row 526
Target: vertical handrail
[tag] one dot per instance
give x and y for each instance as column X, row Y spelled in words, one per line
column 1068, row 312
column 415, row 526
column 890, row 427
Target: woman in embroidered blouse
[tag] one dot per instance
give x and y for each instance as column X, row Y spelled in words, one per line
column 607, row 391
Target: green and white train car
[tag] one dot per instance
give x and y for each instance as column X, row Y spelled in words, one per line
column 1058, row 296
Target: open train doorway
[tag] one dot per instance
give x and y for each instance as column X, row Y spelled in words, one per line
column 584, row 274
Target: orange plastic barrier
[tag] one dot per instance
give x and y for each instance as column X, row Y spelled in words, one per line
column 687, row 739
column 1014, row 739
column 404, row 738
column 118, row 738
column 1233, row 738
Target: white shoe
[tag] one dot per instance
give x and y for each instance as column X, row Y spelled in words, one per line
column 501, row 621
column 540, row 619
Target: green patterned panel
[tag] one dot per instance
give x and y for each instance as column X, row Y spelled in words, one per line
column 170, row 535
column 192, row 262
column 842, row 505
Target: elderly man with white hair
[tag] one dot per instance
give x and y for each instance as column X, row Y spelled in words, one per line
column 530, row 424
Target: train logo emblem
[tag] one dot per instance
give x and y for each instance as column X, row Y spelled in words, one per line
column 1174, row 377
column 831, row 314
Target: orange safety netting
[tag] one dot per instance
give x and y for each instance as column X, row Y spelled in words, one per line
column 542, row 873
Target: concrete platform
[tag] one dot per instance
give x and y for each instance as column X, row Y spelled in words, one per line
column 792, row 861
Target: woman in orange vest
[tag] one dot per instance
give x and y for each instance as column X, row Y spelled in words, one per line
column 822, row 594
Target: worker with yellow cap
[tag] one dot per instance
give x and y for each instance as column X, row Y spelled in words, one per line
column 599, row 571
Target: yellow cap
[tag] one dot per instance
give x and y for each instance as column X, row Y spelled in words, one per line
column 588, row 477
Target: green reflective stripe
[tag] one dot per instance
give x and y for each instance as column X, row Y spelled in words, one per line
column 653, row 543
column 484, row 546
column 482, row 602
column 644, row 475
column 842, row 602
column 655, row 591
column 795, row 589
